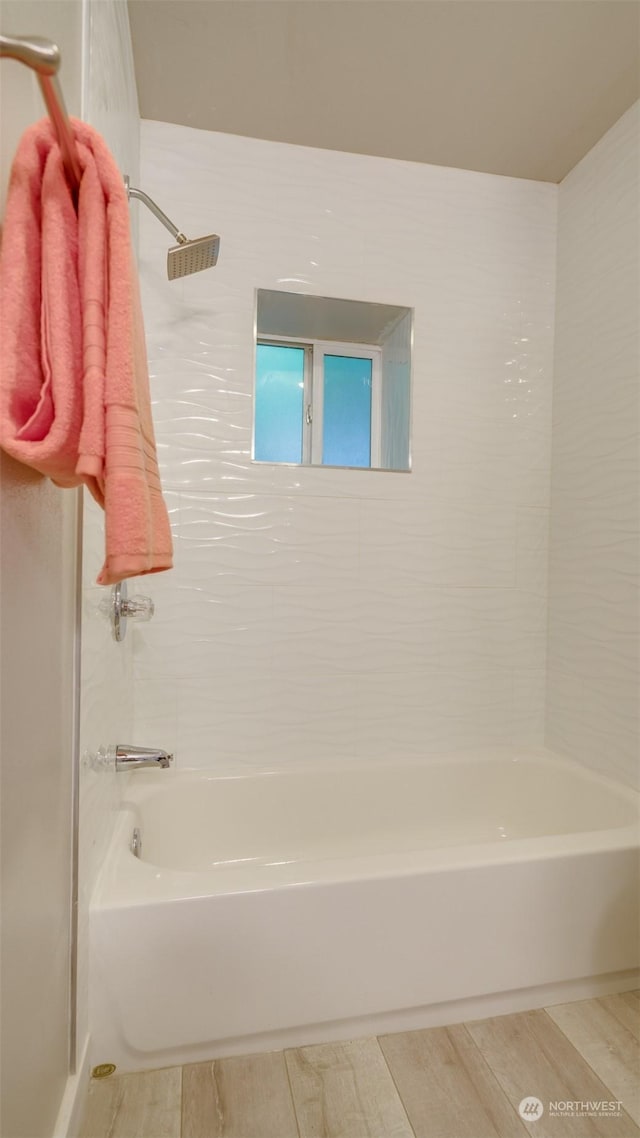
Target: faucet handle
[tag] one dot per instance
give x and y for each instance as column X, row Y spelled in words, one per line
column 123, row 608
column 137, row 608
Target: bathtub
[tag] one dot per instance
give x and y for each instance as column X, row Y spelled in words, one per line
column 293, row 905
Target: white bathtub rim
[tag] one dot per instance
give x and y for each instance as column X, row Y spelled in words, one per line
column 129, row 881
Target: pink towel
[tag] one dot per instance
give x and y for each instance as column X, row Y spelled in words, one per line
column 74, row 385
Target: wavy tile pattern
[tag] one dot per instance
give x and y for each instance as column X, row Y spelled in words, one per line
column 593, row 703
column 322, row 612
column 106, row 709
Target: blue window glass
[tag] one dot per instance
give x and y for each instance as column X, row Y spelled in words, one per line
column 346, row 426
column 278, row 404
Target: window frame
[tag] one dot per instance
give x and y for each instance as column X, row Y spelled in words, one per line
column 313, row 394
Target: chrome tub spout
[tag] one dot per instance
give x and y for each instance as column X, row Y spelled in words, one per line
column 131, row 758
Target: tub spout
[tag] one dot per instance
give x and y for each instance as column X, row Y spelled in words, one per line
column 130, row 758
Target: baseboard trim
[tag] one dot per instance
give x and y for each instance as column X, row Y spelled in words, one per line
column 73, row 1100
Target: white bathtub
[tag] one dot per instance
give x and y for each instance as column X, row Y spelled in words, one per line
column 289, row 906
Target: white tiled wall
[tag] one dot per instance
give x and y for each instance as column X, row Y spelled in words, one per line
column 593, row 701
column 110, row 104
column 322, row 612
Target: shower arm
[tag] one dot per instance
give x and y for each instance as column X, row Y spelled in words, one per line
column 155, row 209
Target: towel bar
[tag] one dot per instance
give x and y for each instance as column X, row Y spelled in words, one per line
column 43, row 57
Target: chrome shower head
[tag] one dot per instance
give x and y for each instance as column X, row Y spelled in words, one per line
column 187, row 256
column 192, row 256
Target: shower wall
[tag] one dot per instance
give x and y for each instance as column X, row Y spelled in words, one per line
column 593, row 702
column 317, row 612
column 110, row 104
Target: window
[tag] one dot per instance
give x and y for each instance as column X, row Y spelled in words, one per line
column 317, row 403
column 332, row 382
column 279, row 402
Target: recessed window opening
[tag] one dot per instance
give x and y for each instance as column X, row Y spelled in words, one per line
column 324, row 401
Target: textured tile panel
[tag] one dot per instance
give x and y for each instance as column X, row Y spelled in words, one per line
column 336, row 611
column 593, row 701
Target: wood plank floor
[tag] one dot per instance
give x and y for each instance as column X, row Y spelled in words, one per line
column 466, row 1081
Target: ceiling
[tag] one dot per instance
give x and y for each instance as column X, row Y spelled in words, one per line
column 517, row 87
